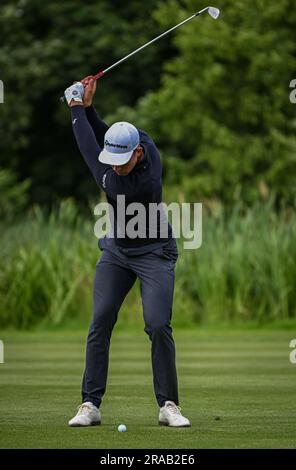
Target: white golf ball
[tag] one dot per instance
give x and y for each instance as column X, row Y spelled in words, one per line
column 122, row 428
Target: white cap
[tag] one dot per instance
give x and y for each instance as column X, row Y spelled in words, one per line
column 120, row 141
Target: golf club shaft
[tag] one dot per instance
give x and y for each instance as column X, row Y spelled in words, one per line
column 103, row 72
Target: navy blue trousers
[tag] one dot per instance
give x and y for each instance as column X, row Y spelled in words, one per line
column 115, row 275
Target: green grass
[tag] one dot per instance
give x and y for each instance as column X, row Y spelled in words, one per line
column 243, row 377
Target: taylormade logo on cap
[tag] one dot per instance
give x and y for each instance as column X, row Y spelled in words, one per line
column 109, row 144
column 121, row 139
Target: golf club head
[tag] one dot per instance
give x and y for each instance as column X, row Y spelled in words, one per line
column 214, row 12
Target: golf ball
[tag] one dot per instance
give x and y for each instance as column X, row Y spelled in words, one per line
column 122, row 428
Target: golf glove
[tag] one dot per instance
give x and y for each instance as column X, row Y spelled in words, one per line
column 74, row 92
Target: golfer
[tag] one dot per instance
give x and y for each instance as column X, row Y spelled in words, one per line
column 125, row 162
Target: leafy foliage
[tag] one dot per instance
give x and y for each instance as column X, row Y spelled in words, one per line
column 223, row 105
column 47, row 46
column 213, row 94
column 13, row 195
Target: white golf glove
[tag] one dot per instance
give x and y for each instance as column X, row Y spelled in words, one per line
column 74, row 92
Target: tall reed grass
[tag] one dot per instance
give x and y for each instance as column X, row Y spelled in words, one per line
column 244, row 271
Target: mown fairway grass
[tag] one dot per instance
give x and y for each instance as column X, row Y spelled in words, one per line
column 238, row 389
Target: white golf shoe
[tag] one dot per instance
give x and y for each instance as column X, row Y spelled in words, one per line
column 88, row 415
column 170, row 415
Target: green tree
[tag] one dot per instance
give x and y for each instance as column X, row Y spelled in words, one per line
column 223, row 105
column 44, row 47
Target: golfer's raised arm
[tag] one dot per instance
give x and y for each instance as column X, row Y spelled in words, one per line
column 86, row 141
column 98, row 125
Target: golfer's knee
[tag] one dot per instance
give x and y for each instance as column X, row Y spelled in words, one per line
column 157, row 329
column 104, row 317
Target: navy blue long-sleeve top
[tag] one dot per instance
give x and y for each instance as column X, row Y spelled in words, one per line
column 142, row 185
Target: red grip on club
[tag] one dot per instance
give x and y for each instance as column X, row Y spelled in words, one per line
column 98, row 75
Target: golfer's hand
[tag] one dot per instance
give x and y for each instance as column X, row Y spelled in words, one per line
column 74, row 94
column 90, row 86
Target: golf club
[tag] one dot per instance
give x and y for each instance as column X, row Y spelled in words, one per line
column 212, row 11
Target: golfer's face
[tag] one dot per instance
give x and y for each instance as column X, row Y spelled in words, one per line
column 121, row 170
column 124, row 170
